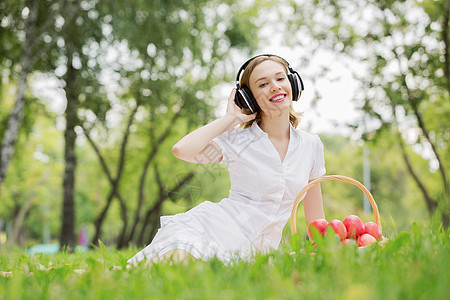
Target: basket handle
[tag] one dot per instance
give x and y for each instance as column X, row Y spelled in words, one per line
column 327, row 178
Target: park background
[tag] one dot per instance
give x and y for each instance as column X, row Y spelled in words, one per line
column 94, row 94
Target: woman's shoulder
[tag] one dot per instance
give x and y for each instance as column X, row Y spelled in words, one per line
column 235, row 136
column 241, row 132
column 305, row 135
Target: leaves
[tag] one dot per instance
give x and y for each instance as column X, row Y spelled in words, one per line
column 295, row 242
column 406, row 76
column 161, row 58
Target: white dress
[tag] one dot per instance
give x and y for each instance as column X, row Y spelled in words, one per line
column 263, row 189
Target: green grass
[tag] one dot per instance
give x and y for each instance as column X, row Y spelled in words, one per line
column 411, row 265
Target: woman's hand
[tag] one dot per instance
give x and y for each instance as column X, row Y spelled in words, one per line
column 199, row 147
column 237, row 113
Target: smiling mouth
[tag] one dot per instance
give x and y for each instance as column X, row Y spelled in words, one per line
column 278, row 98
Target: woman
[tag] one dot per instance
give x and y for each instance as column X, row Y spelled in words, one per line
column 269, row 162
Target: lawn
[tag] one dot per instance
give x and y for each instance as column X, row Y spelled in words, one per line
column 411, row 265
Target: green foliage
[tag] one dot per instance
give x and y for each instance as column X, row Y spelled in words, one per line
column 393, row 190
column 411, row 265
column 37, row 164
column 405, row 86
column 160, row 56
column 176, row 50
column 10, row 14
column 169, row 55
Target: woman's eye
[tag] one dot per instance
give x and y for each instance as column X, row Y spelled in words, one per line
column 262, row 85
column 281, row 79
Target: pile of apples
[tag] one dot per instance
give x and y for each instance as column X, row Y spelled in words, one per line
column 350, row 229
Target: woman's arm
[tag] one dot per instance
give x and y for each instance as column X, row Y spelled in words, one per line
column 313, row 204
column 198, row 147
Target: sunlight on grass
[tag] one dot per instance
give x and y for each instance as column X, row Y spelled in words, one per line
column 409, row 266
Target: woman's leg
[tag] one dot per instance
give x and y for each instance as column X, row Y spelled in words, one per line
column 174, row 256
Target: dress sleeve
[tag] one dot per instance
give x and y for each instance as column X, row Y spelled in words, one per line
column 223, row 141
column 318, row 168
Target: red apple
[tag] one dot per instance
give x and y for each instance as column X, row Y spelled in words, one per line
column 339, row 228
column 354, row 226
column 320, row 225
column 373, row 229
column 346, row 241
column 365, row 239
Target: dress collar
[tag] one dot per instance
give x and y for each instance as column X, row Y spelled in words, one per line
column 257, row 131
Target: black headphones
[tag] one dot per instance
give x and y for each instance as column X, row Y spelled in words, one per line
column 244, row 97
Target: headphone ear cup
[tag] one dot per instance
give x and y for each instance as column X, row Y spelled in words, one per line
column 295, row 85
column 244, row 99
column 251, row 100
column 238, row 99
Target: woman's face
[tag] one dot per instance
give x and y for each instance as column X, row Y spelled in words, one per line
column 271, row 87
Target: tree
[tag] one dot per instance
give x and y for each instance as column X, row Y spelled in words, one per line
column 170, row 55
column 177, row 51
column 28, row 201
column 39, row 22
column 405, row 47
column 79, row 81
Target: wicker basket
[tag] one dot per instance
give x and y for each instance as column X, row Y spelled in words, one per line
column 327, row 178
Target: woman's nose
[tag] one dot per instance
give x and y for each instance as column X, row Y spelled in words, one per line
column 275, row 85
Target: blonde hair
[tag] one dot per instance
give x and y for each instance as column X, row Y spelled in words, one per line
column 294, row 117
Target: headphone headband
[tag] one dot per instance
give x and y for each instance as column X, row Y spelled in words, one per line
column 242, row 68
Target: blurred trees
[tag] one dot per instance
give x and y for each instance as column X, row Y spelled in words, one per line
column 403, row 48
column 81, row 80
column 393, row 193
column 134, row 77
column 178, row 52
column 29, row 30
column 146, row 69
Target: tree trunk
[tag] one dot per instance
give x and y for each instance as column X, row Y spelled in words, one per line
column 32, row 49
column 153, row 151
column 445, row 38
column 15, row 118
column 68, row 238
column 123, row 210
column 11, row 133
column 141, row 192
column 101, row 217
column 114, row 184
column 430, row 202
column 19, row 220
column 424, row 130
column 21, row 212
column 152, row 215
